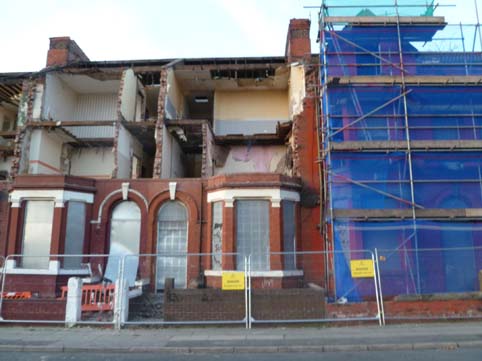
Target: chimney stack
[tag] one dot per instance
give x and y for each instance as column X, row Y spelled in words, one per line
column 64, row 51
column 298, row 44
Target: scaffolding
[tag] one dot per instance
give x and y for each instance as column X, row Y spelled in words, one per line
column 400, row 130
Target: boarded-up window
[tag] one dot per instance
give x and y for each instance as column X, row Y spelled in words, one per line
column 37, row 234
column 217, row 235
column 74, row 239
column 289, row 235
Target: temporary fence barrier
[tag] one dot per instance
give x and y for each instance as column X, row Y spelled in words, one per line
column 37, row 289
column 448, row 278
column 180, row 289
column 291, row 287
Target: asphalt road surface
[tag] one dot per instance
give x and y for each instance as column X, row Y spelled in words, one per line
column 425, row 355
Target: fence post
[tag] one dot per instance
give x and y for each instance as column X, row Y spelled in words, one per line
column 380, row 292
column 246, row 307
column 250, row 293
column 121, row 297
column 73, row 307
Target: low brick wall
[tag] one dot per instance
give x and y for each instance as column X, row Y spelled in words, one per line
column 410, row 309
column 288, row 304
column 268, row 304
column 34, row 309
column 203, row 305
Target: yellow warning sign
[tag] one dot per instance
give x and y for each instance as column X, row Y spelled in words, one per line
column 362, row 268
column 233, row 281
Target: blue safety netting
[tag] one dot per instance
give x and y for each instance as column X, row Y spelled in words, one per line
column 379, row 7
column 382, row 181
column 443, row 49
column 434, row 113
column 422, row 257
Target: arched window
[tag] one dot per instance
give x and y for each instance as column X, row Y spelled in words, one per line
column 172, row 244
column 125, row 229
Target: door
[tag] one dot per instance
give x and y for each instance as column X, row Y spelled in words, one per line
column 172, row 244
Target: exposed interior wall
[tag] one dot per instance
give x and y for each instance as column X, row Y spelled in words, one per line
column 128, row 96
column 45, row 153
column 95, row 107
column 63, row 103
column 127, row 147
column 6, row 164
column 95, row 162
column 296, row 90
column 249, row 112
column 252, row 159
column 8, row 116
column 175, row 98
column 37, row 102
column 60, row 100
column 152, row 96
column 140, row 102
column 172, row 156
column 208, row 150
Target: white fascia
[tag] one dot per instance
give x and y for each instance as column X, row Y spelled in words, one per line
column 59, row 196
column 275, row 195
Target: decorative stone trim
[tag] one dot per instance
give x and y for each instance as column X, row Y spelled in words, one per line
column 275, row 195
column 59, row 196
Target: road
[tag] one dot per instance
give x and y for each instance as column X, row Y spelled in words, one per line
column 425, row 355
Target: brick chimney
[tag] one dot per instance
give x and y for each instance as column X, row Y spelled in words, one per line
column 298, row 44
column 63, row 51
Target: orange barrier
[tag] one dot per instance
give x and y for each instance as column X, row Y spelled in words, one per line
column 16, row 295
column 95, row 297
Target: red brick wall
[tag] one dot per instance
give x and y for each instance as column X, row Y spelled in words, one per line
column 298, row 45
column 4, row 217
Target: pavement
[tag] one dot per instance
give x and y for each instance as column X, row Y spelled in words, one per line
column 447, row 336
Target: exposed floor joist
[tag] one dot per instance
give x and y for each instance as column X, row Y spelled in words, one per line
column 386, row 20
column 402, row 145
column 409, row 79
column 407, row 213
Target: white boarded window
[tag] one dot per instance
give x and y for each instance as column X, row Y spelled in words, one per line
column 217, row 235
column 37, row 234
column 75, row 232
column 252, row 233
column 289, row 235
column 125, row 233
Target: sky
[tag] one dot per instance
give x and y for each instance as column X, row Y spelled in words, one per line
column 157, row 29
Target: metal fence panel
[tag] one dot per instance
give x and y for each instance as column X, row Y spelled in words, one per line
column 192, row 295
column 305, row 295
column 40, row 295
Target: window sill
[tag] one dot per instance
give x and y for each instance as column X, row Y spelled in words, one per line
column 276, row 274
column 47, row 272
column 53, row 270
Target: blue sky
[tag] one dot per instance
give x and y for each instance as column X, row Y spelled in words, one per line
column 154, row 29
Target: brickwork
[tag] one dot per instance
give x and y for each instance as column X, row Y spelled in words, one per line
column 4, row 216
column 215, row 304
column 34, row 309
column 298, row 45
column 203, row 305
column 63, row 51
column 410, row 309
column 161, row 105
column 288, row 304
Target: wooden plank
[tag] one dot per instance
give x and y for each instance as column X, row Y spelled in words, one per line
column 415, row 144
column 407, row 213
column 409, row 79
column 386, row 20
column 70, row 123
